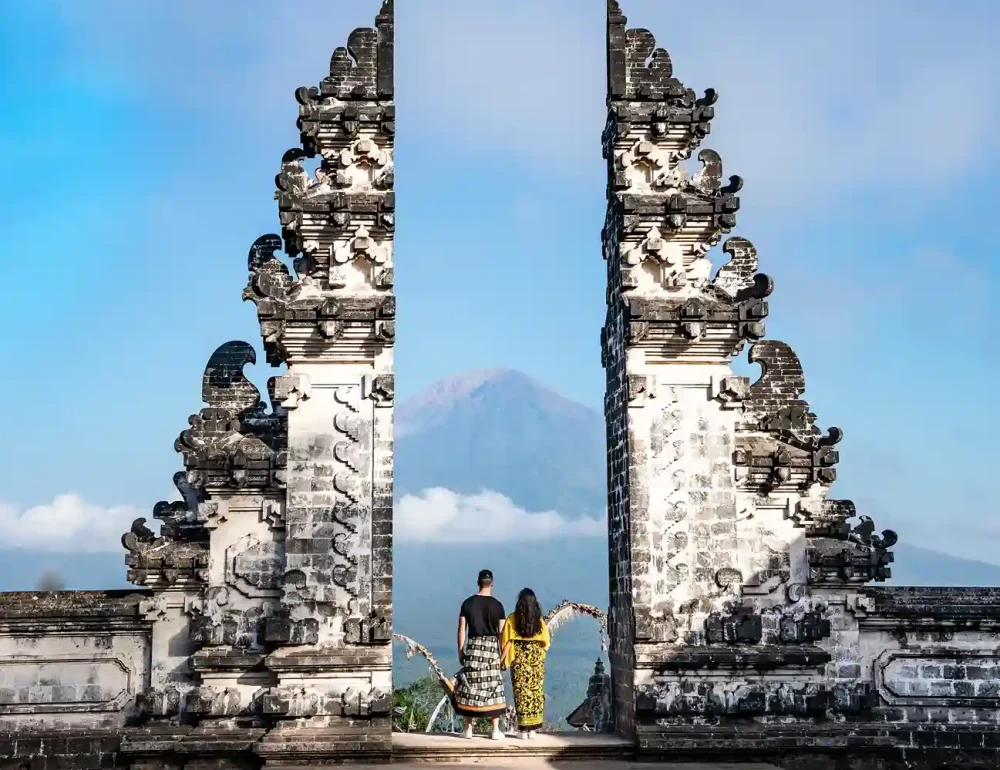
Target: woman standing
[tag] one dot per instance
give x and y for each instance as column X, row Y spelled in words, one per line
column 526, row 641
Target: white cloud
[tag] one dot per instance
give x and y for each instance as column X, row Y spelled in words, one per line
column 815, row 99
column 437, row 515
column 67, row 524
column 441, row 516
column 820, row 99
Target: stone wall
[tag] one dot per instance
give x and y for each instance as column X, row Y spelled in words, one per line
column 72, row 658
column 620, row 501
column 73, row 665
column 934, row 658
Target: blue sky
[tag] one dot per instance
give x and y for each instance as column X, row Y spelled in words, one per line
column 138, row 146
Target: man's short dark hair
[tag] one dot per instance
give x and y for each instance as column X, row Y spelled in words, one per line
column 485, row 578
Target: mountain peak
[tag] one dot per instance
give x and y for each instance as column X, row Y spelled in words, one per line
column 452, row 388
column 502, row 430
column 499, row 385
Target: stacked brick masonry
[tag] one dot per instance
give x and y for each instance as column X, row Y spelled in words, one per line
column 270, row 583
column 72, row 664
column 934, row 657
column 683, row 553
column 739, row 618
column 621, row 619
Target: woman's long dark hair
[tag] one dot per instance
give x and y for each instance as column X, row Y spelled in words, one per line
column 527, row 614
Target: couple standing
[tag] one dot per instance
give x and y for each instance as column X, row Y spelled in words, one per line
column 488, row 643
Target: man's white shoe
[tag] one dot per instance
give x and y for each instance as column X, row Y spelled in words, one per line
column 531, row 734
column 497, row 735
column 468, row 733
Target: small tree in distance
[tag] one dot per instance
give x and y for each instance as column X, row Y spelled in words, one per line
column 50, row 581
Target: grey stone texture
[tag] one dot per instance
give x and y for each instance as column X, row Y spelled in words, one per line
column 742, row 620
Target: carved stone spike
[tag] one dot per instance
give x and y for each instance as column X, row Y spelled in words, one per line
column 224, row 385
column 737, row 275
column 381, row 389
column 637, row 390
column 386, row 330
column 138, row 537
column 733, row 390
column 332, row 330
column 709, row 179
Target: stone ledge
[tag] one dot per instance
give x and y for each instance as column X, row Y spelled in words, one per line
column 822, row 747
column 304, row 660
column 945, row 604
column 55, row 750
column 292, row 746
column 441, row 748
column 30, row 605
column 759, row 658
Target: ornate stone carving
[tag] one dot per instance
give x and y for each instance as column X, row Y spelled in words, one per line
column 381, row 389
column 139, row 537
column 234, row 441
column 254, row 568
column 375, row 629
column 742, row 626
column 354, row 702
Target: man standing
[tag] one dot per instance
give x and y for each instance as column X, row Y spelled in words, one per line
column 479, row 689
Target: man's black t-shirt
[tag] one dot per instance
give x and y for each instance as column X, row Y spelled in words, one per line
column 483, row 615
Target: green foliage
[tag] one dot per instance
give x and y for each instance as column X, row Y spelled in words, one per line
column 414, row 704
column 482, row 727
column 50, row 581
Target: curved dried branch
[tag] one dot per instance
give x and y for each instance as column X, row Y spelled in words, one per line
column 414, row 647
column 567, row 611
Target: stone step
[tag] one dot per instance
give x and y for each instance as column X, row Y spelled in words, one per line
column 445, row 747
column 584, row 751
column 533, row 763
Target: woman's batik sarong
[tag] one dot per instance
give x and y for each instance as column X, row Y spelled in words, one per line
column 527, row 677
column 479, row 685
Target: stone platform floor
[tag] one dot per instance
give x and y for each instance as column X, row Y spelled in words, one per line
column 574, row 751
column 537, row 763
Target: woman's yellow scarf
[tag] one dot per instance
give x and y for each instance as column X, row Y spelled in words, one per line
column 510, row 635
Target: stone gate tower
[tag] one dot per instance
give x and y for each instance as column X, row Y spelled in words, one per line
column 335, row 328
column 733, row 578
column 271, row 582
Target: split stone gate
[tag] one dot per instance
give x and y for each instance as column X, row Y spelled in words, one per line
column 742, row 619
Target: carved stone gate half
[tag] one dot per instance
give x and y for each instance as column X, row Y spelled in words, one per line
column 278, row 565
column 740, row 614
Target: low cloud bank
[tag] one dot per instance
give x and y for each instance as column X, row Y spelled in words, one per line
column 440, row 515
column 66, row 524
column 436, row 515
